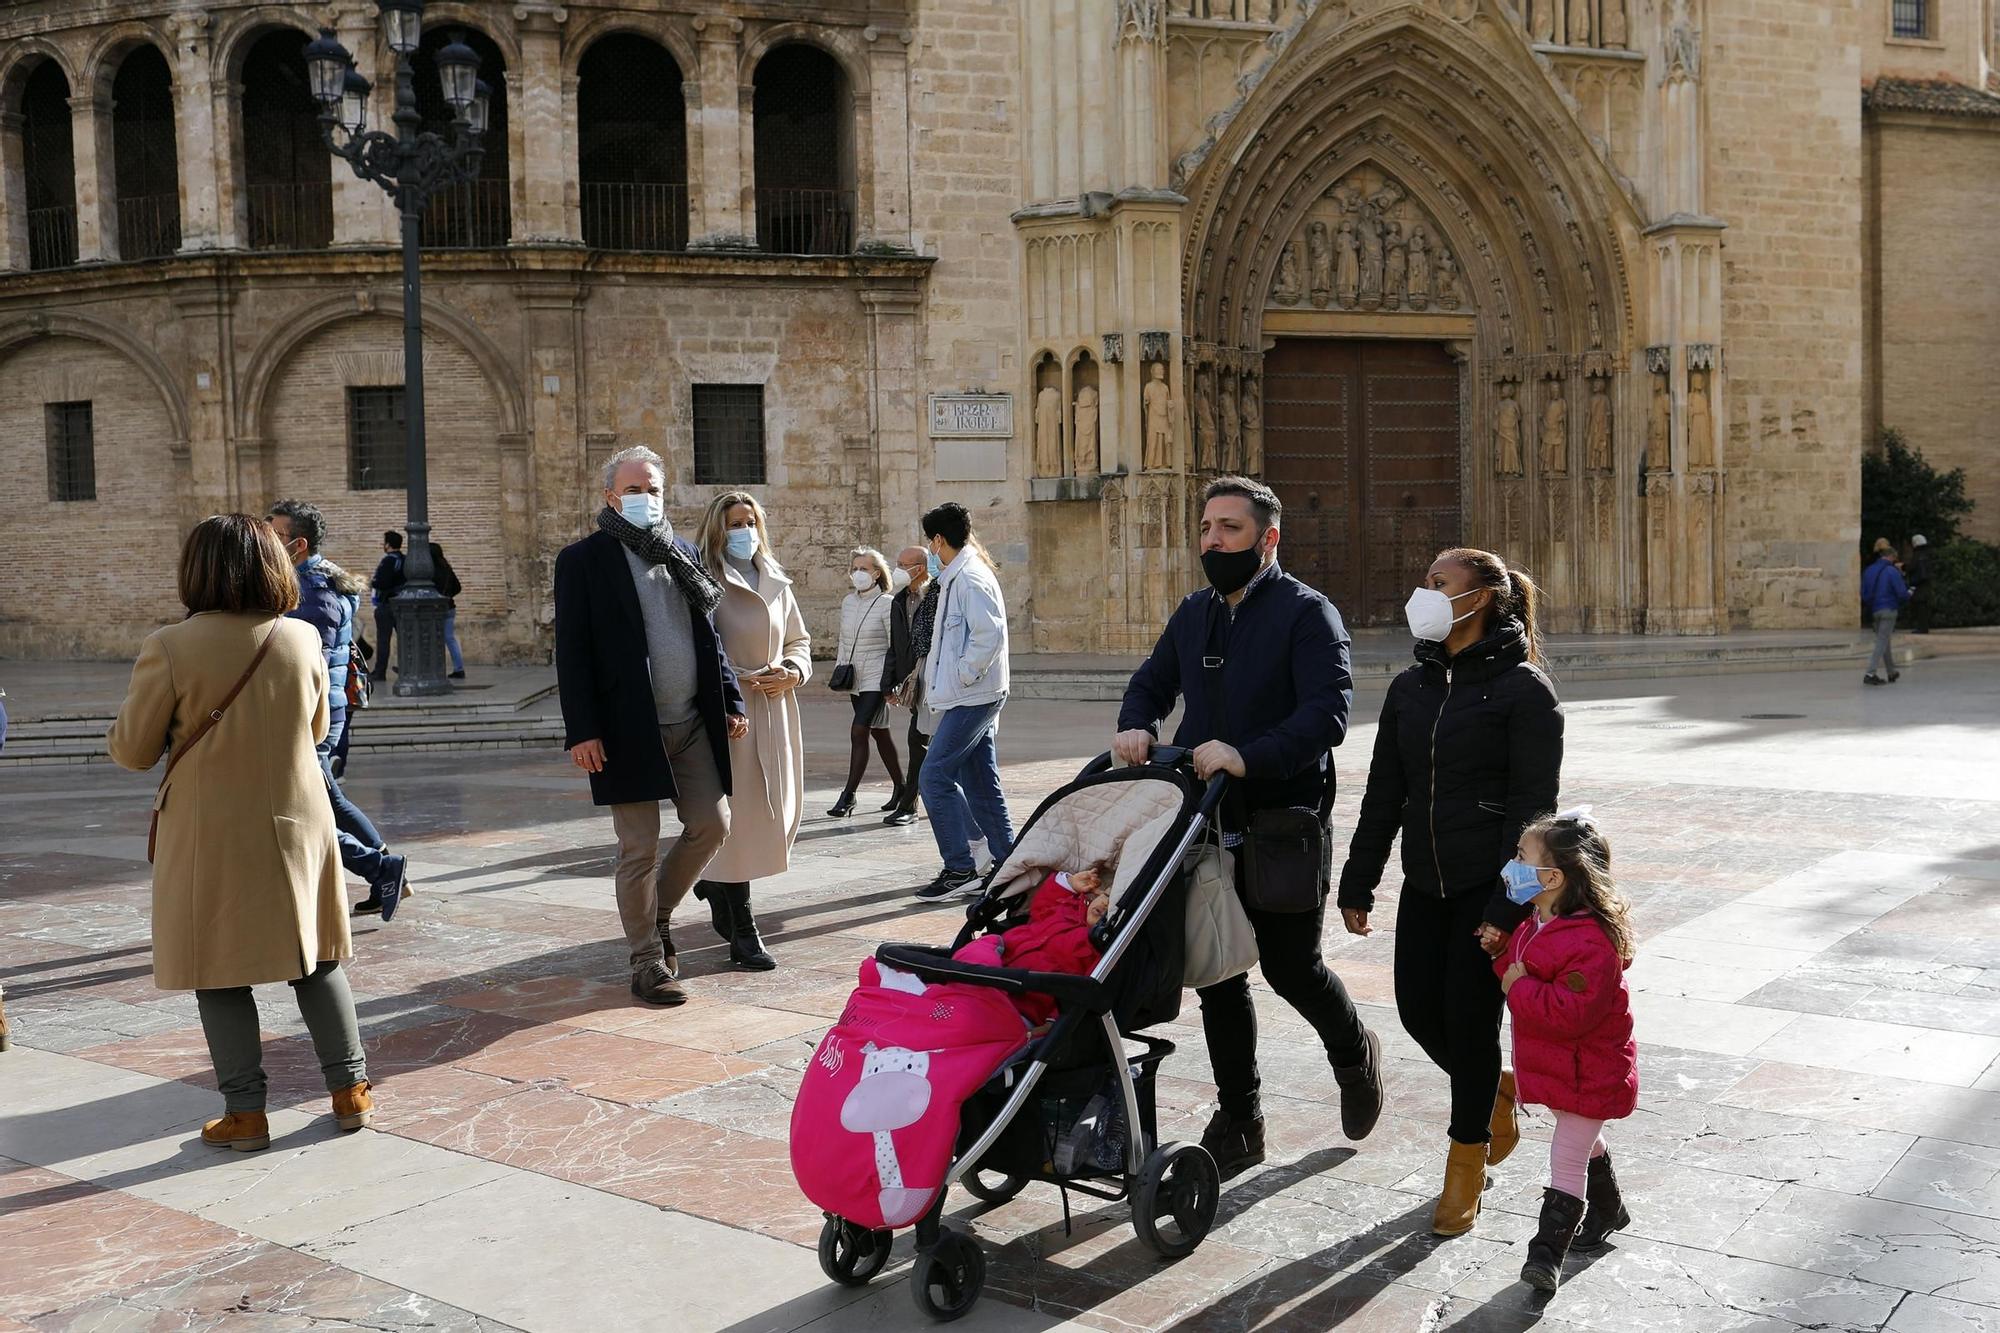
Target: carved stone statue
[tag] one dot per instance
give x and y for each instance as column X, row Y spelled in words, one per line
column 1507, row 432
column 1555, row 432
column 1230, row 457
column 1420, row 269
column 1542, row 20
column 1371, row 262
column 1447, row 280
column 1579, row 22
column 1289, row 287
column 1156, row 406
column 1596, row 327
column 1615, row 30
column 1319, row 263
column 1086, row 432
column 1048, row 432
column 1396, row 269
column 1701, row 428
column 1253, row 425
column 1597, row 433
column 1660, row 428
column 1204, row 417
column 1348, row 280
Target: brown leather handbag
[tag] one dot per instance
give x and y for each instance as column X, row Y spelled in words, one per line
column 207, row 725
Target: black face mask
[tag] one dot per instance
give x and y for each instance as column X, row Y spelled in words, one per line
column 1230, row 570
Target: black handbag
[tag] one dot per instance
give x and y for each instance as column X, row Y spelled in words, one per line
column 842, row 679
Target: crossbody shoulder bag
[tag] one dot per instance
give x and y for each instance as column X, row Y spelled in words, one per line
column 207, row 725
column 842, row 679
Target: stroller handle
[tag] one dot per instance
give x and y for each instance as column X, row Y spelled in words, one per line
column 1166, row 756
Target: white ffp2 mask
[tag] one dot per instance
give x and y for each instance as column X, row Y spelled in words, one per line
column 1429, row 614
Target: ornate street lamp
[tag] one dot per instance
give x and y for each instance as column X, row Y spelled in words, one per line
column 413, row 165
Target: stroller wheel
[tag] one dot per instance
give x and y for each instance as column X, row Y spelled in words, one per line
column 849, row 1254
column 1174, row 1204
column 948, row 1277
column 980, row 1187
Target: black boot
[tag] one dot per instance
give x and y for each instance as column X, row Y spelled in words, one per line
column 1361, row 1090
column 720, row 909
column 1560, row 1215
column 1607, row 1206
column 1235, row 1144
column 746, row 947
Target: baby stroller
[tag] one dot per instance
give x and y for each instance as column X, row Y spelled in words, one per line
column 1074, row 1107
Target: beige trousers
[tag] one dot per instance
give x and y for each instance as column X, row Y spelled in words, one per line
column 651, row 886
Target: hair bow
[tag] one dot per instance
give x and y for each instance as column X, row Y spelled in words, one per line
column 1577, row 814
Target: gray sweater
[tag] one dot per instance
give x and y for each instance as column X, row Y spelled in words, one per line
column 669, row 641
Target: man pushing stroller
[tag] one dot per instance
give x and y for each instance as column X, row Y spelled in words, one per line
column 1261, row 663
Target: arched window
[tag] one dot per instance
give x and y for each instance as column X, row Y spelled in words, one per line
column 477, row 214
column 146, row 176
column 632, row 145
column 50, row 161
column 804, row 148
column 287, row 171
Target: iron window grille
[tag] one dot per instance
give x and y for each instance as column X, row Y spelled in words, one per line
column 475, row 214
column 287, row 174
column 146, row 173
column 800, row 107
column 632, row 146
column 729, row 434
column 72, row 452
column 50, row 162
column 1911, row 18
column 376, row 456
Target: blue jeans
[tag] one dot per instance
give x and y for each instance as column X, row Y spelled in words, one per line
column 361, row 847
column 451, row 639
column 961, row 785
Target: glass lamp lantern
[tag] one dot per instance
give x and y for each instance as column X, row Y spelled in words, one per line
column 354, row 103
column 327, row 64
column 402, row 24
column 458, row 71
column 482, row 102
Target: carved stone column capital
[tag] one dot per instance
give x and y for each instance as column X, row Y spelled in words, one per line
column 1155, row 345
column 540, row 17
column 1114, row 348
column 1659, row 360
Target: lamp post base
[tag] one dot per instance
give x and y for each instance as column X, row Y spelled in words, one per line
column 420, row 655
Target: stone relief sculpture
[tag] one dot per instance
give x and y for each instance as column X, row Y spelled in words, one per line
column 1230, row 454
column 1319, row 263
column 1596, row 327
column 1555, row 431
column 1204, row 417
column 1348, row 280
column 1048, row 432
column 1396, row 269
column 1542, row 20
column 1420, row 269
column 1289, row 287
column 1597, row 432
column 1660, row 428
column 1156, row 407
column 1701, row 428
column 1253, row 424
column 1086, row 432
column 1447, row 280
column 1507, row 432
column 1615, row 32
column 1579, row 22
column 1371, row 263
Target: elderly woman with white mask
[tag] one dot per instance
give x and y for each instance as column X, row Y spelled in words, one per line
column 857, row 670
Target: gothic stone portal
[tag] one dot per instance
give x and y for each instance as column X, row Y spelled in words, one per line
column 1362, row 446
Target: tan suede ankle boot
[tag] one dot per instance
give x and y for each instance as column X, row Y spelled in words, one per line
column 352, row 1106
column 1464, row 1179
column 1506, row 1125
column 245, row 1131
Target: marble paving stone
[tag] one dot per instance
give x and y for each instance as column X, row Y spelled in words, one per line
column 1892, row 1244
column 1771, row 1147
column 1704, row 1025
column 67, row 1242
column 1797, row 928
column 1976, row 1009
column 1810, row 991
column 1688, row 1076
column 1900, row 1051
column 1930, row 1314
column 560, row 999
column 1710, row 969
column 1905, row 1106
column 1955, row 1177
column 759, row 1103
column 60, row 1111
column 264, row 1286
column 1670, row 1202
column 722, row 1028
column 1103, row 1278
column 552, row 1256
column 613, row 1068
column 73, row 1022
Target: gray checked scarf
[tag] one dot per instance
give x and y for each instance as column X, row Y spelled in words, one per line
column 656, row 546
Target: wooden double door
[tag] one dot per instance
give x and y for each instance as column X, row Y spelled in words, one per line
column 1361, row 443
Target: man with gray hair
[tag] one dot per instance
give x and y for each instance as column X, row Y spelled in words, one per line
column 649, row 703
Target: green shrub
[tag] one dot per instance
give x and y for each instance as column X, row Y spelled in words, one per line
column 1965, row 584
column 1902, row 495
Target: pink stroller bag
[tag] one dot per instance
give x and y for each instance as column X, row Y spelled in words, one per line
column 877, row 1117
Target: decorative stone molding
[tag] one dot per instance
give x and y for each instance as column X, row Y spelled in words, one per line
column 1659, row 360
column 1114, row 348
column 1702, row 356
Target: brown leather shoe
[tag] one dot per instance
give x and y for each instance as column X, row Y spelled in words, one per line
column 1464, row 1178
column 1506, row 1126
column 352, row 1106
column 653, row 985
column 245, row 1131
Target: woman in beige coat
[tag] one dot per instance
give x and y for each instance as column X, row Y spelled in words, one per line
column 764, row 634
column 246, row 878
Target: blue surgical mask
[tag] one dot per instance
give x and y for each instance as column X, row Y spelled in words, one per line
column 1523, row 881
column 642, row 511
column 932, row 563
column 742, row 542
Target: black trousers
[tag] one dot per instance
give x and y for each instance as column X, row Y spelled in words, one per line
column 920, row 745
column 385, row 630
column 1450, row 1002
column 1288, row 954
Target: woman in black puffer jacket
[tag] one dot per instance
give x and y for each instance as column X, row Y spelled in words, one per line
column 1469, row 752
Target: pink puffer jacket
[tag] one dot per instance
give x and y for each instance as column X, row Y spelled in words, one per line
column 1573, row 1047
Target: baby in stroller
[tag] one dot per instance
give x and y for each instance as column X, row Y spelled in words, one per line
column 1054, row 938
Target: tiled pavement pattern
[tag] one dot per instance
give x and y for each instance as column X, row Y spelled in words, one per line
column 1818, row 1144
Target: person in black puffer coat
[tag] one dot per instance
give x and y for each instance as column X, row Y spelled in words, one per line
column 1469, row 752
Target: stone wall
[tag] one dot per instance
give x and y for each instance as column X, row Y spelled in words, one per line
column 1784, row 136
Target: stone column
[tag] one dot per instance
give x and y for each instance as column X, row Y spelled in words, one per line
column 196, row 139
column 13, row 193
column 1685, row 488
column 96, row 191
column 1141, row 63
column 894, row 416
column 546, row 165
column 544, row 489
column 888, row 222
column 362, row 211
column 719, row 218
column 232, row 208
column 207, row 479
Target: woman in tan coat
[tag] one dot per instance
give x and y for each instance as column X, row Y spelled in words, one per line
column 764, row 634
column 246, row 878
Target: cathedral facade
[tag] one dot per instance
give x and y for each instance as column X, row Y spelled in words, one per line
column 1620, row 288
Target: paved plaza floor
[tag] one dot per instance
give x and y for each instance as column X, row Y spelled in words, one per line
column 1816, row 869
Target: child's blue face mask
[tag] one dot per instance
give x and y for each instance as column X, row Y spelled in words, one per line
column 1523, row 881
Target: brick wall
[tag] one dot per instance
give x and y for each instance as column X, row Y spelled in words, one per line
column 1784, row 133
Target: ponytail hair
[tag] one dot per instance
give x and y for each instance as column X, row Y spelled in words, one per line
column 1515, row 595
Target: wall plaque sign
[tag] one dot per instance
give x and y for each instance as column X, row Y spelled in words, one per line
column 977, row 416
